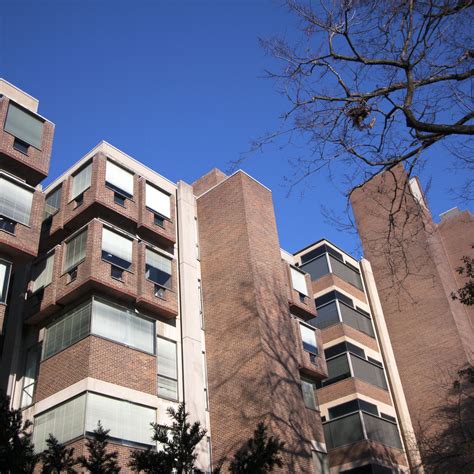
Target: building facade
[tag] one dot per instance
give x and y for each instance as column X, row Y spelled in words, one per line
column 124, row 293
column 414, row 263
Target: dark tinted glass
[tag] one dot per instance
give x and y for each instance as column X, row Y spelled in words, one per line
column 333, row 295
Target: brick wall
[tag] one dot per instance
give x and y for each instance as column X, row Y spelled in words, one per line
column 425, row 337
column 97, row 358
column 253, row 373
column 33, row 167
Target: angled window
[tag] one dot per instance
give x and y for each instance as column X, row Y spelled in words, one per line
column 119, row 179
column 158, row 268
column 73, row 326
column 65, row 422
column 15, row 201
column 24, row 125
column 127, row 421
column 75, row 251
column 299, row 281
column 117, row 249
column 122, row 325
column 158, row 201
column 81, row 181
column 29, row 377
column 167, row 369
column 308, row 387
column 53, row 203
column 5, row 268
column 43, row 273
column 309, row 339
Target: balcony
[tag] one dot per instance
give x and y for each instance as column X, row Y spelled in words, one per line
column 337, row 312
column 358, row 426
column 300, row 293
column 309, row 350
column 25, row 142
column 102, row 189
column 86, row 264
column 350, row 365
column 326, row 260
column 21, row 208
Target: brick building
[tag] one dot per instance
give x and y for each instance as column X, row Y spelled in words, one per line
column 124, row 293
column 415, row 274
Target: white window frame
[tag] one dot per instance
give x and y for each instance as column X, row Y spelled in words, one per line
column 165, row 210
column 6, row 281
column 298, row 280
column 124, row 179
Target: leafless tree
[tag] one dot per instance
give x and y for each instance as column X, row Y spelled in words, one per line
column 451, row 448
column 374, row 83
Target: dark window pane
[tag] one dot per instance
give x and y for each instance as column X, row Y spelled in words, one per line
column 345, row 272
column 24, row 125
column 343, row 409
column 317, row 268
column 332, row 295
column 7, row 225
column 119, row 199
column 338, row 369
column 116, row 272
column 313, row 254
column 20, row 146
column 369, row 407
column 327, row 316
column 335, row 350
column 388, row 417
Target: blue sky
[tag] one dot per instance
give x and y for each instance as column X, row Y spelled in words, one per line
column 178, row 86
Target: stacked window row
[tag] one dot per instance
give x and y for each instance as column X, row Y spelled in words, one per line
column 101, row 318
column 117, row 249
column 121, row 181
column 127, row 421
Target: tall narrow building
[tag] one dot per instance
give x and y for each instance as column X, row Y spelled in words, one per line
column 366, row 422
column 414, row 263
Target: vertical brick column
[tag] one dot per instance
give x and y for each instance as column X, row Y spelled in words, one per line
column 252, row 368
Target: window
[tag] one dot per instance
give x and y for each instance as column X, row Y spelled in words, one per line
column 201, row 305
column 343, row 347
column 204, row 374
column 119, row 179
column 103, row 319
column 43, row 273
column 24, row 125
column 123, row 326
column 158, row 269
column 21, row 146
column 5, row 268
column 309, row 339
column 320, row 461
column 75, row 251
column 158, row 201
column 53, row 203
column 73, row 326
column 65, row 422
column 29, row 377
column 299, row 281
column 15, row 201
column 127, row 421
column 81, row 181
column 167, row 369
column 308, row 387
column 352, row 406
column 117, row 249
